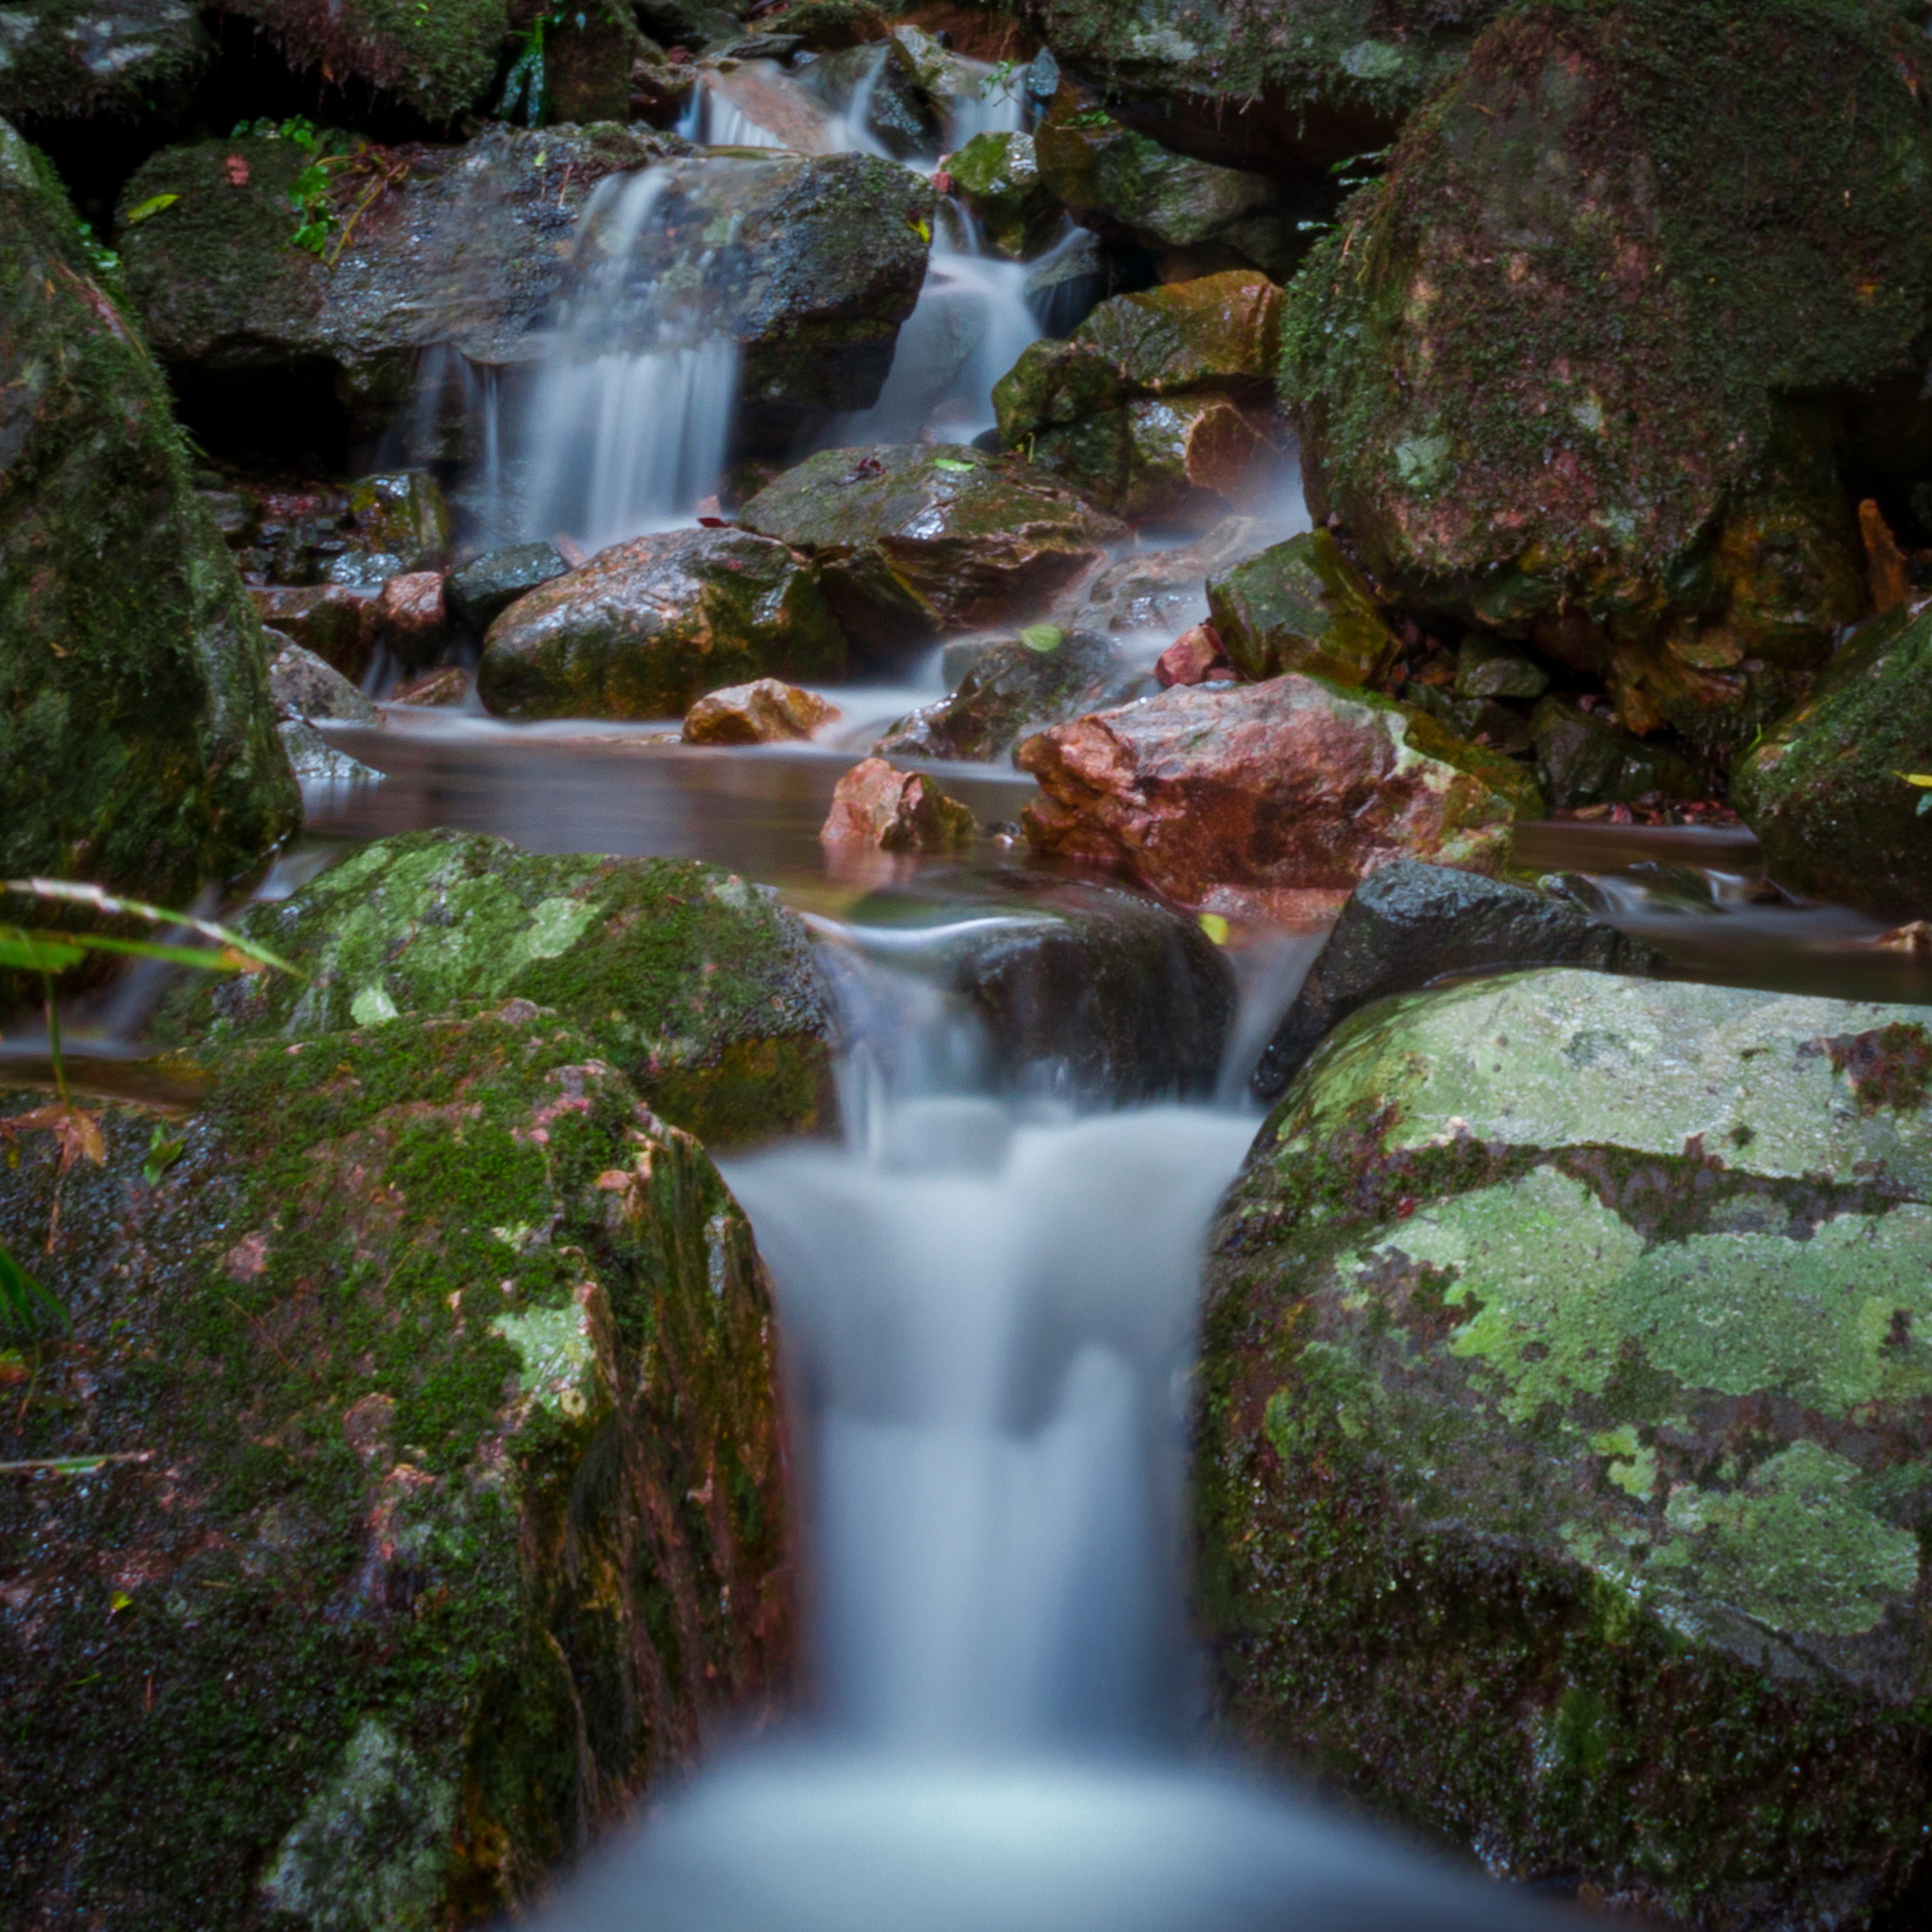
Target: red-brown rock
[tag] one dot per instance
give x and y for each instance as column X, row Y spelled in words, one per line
column 414, row 615
column 1269, row 800
column 1193, row 658
column 767, row 711
column 337, row 621
column 879, row 808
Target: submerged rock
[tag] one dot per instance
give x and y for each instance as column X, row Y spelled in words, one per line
column 699, row 987
column 877, row 808
column 1268, row 800
column 1587, row 1313
column 1301, row 605
column 440, row 1506
column 1015, row 686
column 1824, row 788
column 137, row 741
column 130, row 60
column 1411, row 925
column 915, row 543
column 648, row 626
column 1644, row 482
column 765, row 712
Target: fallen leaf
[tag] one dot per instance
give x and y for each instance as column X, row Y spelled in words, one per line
column 78, row 1131
column 237, row 171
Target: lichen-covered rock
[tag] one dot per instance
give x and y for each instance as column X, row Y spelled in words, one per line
column 699, row 987
column 1629, row 478
column 915, row 543
column 1301, row 605
column 1584, row 760
column 1015, row 686
column 137, row 741
column 1823, row 790
column 877, row 808
column 1411, row 925
column 431, row 1493
column 648, row 626
column 467, row 246
column 1300, row 82
column 440, row 59
column 764, row 712
column 1268, row 800
column 63, row 60
column 1564, row 1458
column 1196, row 217
column 998, row 177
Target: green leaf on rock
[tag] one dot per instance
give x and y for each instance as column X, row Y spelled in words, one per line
column 153, row 205
column 1043, row 638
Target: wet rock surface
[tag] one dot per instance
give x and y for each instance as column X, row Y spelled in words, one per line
column 1631, row 480
column 480, row 590
column 912, row 543
column 440, row 1500
column 1165, row 591
column 998, row 177
column 138, row 743
column 764, row 712
column 1587, row 1307
column 1411, row 925
column 1301, row 605
column 1583, row 759
column 336, row 622
column 1824, row 788
column 65, row 60
column 699, row 988
column 303, row 685
column 1268, row 800
column 877, row 807
column 646, row 627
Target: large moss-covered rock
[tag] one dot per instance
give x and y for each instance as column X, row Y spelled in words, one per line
column 1296, row 84
column 648, row 626
column 915, row 543
column 73, row 59
column 440, row 59
column 430, row 1500
column 1301, row 605
column 1546, row 371
column 700, row 988
column 1824, row 790
column 1563, row 1466
column 467, row 246
column 138, row 743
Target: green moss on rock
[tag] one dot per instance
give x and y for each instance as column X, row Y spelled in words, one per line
column 1545, row 372
column 71, row 59
column 1563, row 1466
column 698, row 984
column 444, row 1498
column 1301, row 605
column 137, row 742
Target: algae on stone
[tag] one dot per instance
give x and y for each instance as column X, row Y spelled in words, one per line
column 1563, row 1471
column 1301, row 605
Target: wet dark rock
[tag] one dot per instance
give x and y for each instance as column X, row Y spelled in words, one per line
column 1165, row 591
column 915, row 543
column 1485, row 669
column 435, row 1378
column 1268, row 801
column 876, row 808
column 316, row 762
column 1823, row 789
column 336, row 621
column 1485, row 722
column 483, row 589
column 700, row 988
column 999, row 179
column 1411, row 925
column 439, row 60
column 137, row 742
column 648, row 626
column 1195, row 217
column 1301, row 605
column 402, row 514
column 1583, row 759
column 882, row 81
column 305, row 686
column 827, row 25
column 1644, row 484
column 587, row 59
column 1080, row 990
column 1148, row 409
column 469, row 248
column 133, row 60
column 450, row 685
column 1013, row 687
column 1587, row 1307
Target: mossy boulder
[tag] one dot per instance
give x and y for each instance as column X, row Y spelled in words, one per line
column 442, row 60
column 913, row 543
column 1563, row 1467
column 1583, row 759
column 134, row 60
column 998, row 177
column 419, row 1487
column 137, row 741
column 1824, row 788
column 646, row 627
column 1641, row 477
column 700, row 988
column 467, row 246
column 1146, row 409
column 1301, row 605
